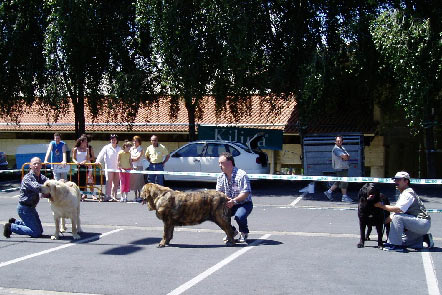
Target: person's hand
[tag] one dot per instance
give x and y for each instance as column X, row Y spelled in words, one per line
column 230, row 203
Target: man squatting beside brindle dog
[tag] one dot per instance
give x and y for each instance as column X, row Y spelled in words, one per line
column 235, row 184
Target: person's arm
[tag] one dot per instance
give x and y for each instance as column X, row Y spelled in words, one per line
column 63, row 150
column 388, row 208
column 166, row 159
column 48, row 152
column 147, row 154
column 100, row 157
column 119, row 161
column 74, row 155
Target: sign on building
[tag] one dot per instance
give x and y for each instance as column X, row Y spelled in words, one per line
column 272, row 139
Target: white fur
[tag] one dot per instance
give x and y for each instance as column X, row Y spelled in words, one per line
column 65, row 203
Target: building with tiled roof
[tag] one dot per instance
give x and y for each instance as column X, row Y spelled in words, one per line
column 281, row 115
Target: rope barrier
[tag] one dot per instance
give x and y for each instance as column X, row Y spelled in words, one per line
column 273, row 176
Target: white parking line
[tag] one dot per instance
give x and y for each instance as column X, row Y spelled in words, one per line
column 96, row 237
column 217, row 266
column 430, row 274
column 296, row 201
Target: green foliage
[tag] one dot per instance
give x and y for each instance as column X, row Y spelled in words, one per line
column 413, row 60
column 22, row 25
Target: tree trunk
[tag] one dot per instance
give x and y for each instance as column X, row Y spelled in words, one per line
column 191, row 117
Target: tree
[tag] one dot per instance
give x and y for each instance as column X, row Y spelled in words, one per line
column 22, row 26
column 409, row 41
column 92, row 54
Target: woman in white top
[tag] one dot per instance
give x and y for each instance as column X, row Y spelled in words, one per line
column 137, row 179
column 109, row 156
column 80, row 156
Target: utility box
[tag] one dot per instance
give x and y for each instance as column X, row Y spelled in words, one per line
column 317, row 150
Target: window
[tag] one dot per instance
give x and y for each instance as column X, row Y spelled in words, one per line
column 191, row 150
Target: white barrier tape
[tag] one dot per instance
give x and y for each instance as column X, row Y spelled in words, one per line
column 289, row 177
column 279, row 177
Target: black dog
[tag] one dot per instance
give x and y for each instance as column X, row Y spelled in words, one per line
column 369, row 215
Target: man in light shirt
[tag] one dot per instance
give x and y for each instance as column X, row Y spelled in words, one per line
column 410, row 222
column 157, row 155
column 109, row 156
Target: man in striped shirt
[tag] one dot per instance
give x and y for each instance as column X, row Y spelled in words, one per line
column 30, row 189
column 235, row 184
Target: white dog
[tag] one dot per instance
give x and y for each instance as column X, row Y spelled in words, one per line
column 65, row 203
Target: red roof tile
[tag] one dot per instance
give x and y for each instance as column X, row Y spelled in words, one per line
column 156, row 119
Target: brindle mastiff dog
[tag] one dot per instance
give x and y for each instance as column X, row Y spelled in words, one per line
column 176, row 208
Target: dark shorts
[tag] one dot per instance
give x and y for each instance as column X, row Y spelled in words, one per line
column 341, row 184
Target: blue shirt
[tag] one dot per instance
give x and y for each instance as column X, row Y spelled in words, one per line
column 30, row 189
column 239, row 183
column 57, row 152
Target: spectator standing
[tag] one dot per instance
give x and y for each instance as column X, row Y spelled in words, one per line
column 125, row 165
column 57, row 153
column 91, row 168
column 157, row 155
column 235, row 184
column 30, row 189
column 109, row 156
column 80, row 156
column 340, row 163
column 137, row 179
column 410, row 222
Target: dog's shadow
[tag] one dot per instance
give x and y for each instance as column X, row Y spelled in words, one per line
column 250, row 242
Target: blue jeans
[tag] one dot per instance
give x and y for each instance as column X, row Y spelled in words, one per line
column 29, row 224
column 240, row 212
column 156, row 178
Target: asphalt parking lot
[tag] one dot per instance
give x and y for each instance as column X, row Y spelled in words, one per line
column 298, row 244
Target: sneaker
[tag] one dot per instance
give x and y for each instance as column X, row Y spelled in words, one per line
column 328, row 195
column 347, row 199
column 395, row 248
column 234, row 235
column 243, row 238
column 428, row 239
column 7, row 230
column 12, row 220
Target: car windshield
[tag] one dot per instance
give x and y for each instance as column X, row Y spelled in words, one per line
column 243, row 146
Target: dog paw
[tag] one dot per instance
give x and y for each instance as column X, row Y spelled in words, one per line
column 161, row 245
column 54, row 237
column 76, row 237
column 62, row 230
column 360, row 245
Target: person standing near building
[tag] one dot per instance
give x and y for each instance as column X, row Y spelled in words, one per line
column 410, row 223
column 340, row 163
column 80, row 156
column 235, row 184
column 137, row 179
column 109, row 156
column 157, row 155
column 30, row 189
column 57, row 152
column 125, row 165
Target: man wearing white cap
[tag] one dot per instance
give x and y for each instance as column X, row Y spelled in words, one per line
column 410, row 222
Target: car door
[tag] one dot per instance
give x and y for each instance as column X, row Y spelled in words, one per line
column 185, row 159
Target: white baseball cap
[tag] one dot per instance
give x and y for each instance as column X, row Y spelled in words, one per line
column 401, row 174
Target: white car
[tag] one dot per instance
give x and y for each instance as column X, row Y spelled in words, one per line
column 202, row 156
